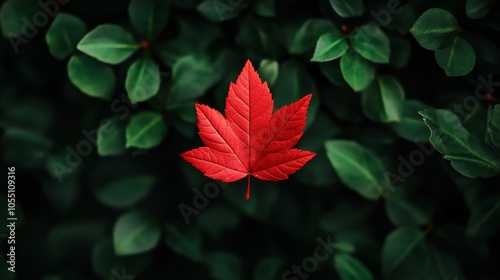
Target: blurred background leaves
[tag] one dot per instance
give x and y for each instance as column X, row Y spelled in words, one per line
column 97, row 101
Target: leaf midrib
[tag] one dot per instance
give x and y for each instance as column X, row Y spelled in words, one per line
column 462, row 143
column 407, row 251
column 379, row 187
column 152, row 123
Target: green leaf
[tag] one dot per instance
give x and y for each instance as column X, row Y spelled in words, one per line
column 265, row 8
column 269, row 268
column 330, row 46
column 308, row 34
column 404, row 209
column 383, row 100
column 402, row 249
column 477, row 9
column 149, row 17
column 371, row 43
column 224, row 266
column 494, row 126
column 483, row 221
column 268, row 71
column 358, row 168
column 135, row 232
column 143, row 80
column 13, row 17
column 145, row 130
column 458, row 59
column 108, row 43
column 92, row 77
column 111, row 138
column 348, row 8
column 411, row 127
column 350, row 268
column 193, row 75
column 357, row 71
column 124, row 192
column 435, row 29
column 184, row 241
column 64, row 34
column 105, row 262
column 221, row 10
column 468, row 155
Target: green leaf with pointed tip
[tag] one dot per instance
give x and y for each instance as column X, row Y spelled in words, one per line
column 371, row 43
column 477, row 9
column 92, row 77
column 350, row 268
column 468, row 155
column 435, row 29
column 410, row 126
column 308, row 34
column 224, row 266
column 269, row 268
column 124, row 192
column 330, row 46
column 192, row 76
column 348, row 8
column 143, row 80
column 135, row 232
column 483, row 221
column 64, row 34
column 184, row 241
column 402, row 249
column 359, row 168
column 108, row 43
column 494, row 126
column 268, row 71
column 145, row 130
column 383, row 100
column 405, row 209
column 458, row 59
column 149, row 17
column 357, row 71
column 111, row 138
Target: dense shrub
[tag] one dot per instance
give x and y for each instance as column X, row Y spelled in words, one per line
column 97, row 102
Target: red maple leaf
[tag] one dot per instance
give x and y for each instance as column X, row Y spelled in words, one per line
column 251, row 139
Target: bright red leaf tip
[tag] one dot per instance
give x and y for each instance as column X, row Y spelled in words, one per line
column 250, row 139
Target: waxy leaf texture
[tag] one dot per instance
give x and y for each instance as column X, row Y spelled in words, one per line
column 250, row 139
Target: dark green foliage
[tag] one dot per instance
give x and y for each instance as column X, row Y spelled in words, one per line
column 97, row 102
